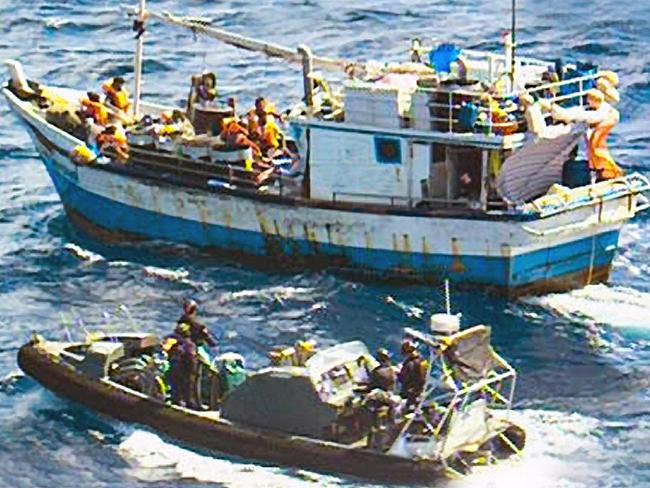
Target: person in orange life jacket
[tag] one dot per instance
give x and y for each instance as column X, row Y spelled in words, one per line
column 199, row 332
column 601, row 117
column 183, row 360
column 92, row 107
column 116, row 94
column 111, row 137
column 234, row 134
column 412, row 374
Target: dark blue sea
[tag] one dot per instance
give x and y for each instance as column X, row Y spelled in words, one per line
column 583, row 357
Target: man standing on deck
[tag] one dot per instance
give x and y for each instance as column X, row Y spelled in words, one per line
column 383, row 377
column 412, row 375
column 182, row 356
column 199, row 332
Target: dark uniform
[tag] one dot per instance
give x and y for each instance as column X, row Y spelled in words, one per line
column 199, row 333
column 182, row 371
column 412, row 377
column 383, row 377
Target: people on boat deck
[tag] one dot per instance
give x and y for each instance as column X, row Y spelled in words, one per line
column 113, row 138
column 116, row 94
column 272, row 137
column 264, row 108
column 199, row 332
column 183, row 360
column 235, row 135
column 536, row 125
column 412, row 374
column 173, row 123
column 601, row 117
column 607, row 83
column 383, row 377
column 93, row 108
column 207, row 91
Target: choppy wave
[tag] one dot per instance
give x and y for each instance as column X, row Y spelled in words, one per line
column 152, row 459
column 617, row 306
column 551, row 438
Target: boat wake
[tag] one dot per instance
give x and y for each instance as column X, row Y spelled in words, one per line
column 552, row 439
column 152, row 459
column 616, row 306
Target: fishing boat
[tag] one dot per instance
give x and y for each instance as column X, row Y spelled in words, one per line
column 316, row 412
column 419, row 170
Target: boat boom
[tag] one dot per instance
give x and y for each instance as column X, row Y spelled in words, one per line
column 237, row 40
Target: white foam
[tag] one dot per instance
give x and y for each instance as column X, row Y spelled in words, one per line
column 617, row 306
column 83, row 254
column 560, row 452
column 273, row 293
column 152, row 459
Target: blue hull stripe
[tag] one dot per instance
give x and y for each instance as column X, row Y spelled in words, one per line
column 522, row 270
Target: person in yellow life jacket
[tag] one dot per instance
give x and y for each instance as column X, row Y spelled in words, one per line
column 272, row 137
column 92, row 107
column 115, row 139
column 601, row 118
column 116, row 94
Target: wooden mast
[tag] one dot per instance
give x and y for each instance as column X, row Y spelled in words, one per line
column 137, row 67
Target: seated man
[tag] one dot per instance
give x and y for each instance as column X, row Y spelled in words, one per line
column 235, row 135
column 93, row 108
column 116, row 94
column 110, row 137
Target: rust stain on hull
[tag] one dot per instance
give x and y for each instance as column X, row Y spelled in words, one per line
column 457, row 265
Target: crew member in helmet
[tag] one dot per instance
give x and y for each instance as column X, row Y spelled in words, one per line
column 199, row 332
column 412, row 374
column 383, row 377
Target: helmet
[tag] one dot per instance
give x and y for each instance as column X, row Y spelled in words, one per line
column 382, row 354
column 306, row 346
column 190, row 306
column 408, row 346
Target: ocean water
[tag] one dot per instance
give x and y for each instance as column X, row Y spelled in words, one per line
column 583, row 357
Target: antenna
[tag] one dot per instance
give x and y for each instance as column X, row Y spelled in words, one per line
column 447, row 298
column 513, row 41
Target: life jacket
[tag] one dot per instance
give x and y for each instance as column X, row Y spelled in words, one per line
column 230, row 131
column 600, row 159
column 96, row 110
column 271, row 135
column 119, row 99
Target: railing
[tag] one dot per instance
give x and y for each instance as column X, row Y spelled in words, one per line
column 447, row 119
column 398, row 200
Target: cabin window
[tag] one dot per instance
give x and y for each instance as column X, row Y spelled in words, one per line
column 388, row 151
